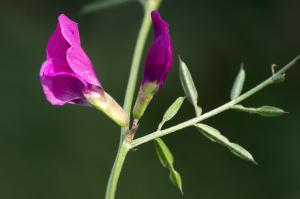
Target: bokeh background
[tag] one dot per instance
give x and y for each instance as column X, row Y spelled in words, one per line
column 66, row 152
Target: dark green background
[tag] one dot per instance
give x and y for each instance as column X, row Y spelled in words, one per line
column 66, row 152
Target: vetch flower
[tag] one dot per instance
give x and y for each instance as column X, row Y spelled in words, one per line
column 68, row 77
column 157, row 66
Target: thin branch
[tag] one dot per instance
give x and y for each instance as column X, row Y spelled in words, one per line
column 216, row 111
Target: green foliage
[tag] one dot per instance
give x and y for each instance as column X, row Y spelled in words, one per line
column 238, row 84
column 215, row 136
column 188, row 86
column 167, row 160
column 171, row 111
column 164, row 154
column 265, row 111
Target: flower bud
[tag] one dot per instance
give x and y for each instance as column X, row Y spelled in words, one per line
column 157, row 66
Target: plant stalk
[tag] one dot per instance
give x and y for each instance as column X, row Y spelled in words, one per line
column 130, row 90
column 116, row 171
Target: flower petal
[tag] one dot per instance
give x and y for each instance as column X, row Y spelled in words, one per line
column 53, row 66
column 61, row 87
column 57, row 45
column 69, row 30
column 160, row 25
column 82, row 66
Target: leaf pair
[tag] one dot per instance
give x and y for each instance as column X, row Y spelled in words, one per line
column 167, row 160
column 163, row 152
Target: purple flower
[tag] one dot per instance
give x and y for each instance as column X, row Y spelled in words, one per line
column 157, row 66
column 67, row 76
column 159, row 59
column 67, row 71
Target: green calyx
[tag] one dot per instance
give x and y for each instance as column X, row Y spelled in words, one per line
column 144, row 97
column 105, row 103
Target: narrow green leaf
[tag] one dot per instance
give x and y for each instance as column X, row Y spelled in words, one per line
column 176, row 179
column 164, row 154
column 238, row 84
column 171, row 111
column 215, row 136
column 167, row 160
column 270, row 111
column 265, row 111
column 101, row 5
column 189, row 86
column 241, row 152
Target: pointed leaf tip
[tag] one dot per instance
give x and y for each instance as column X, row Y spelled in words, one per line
column 175, row 178
column 270, row 111
column 238, row 83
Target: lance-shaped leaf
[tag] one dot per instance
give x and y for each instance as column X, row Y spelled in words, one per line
column 238, row 84
column 101, row 5
column 167, row 160
column 265, row 111
column 189, row 86
column 164, row 154
column 215, row 136
column 171, row 111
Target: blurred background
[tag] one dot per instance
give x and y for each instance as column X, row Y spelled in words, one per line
column 67, row 152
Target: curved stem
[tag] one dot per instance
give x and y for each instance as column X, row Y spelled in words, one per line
column 116, row 171
column 216, row 111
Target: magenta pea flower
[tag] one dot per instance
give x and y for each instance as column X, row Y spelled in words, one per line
column 68, row 77
column 157, row 66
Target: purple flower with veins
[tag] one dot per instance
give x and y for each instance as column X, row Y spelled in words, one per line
column 157, row 66
column 67, row 76
column 67, row 70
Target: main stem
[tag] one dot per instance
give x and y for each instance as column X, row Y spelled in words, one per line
column 116, row 171
column 131, row 86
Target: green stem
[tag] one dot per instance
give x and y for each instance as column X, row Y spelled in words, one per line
column 116, row 171
column 131, row 85
column 216, row 111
